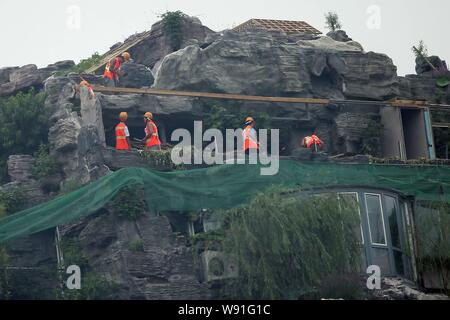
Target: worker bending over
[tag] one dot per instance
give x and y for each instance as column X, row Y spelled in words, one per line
column 113, row 69
column 249, row 136
column 122, row 133
column 312, row 142
column 152, row 142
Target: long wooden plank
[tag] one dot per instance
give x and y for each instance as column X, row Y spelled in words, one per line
column 162, row 92
column 441, row 125
column 118, row 51
column 417, row 104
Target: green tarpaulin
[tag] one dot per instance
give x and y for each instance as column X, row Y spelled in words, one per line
column 224, row 187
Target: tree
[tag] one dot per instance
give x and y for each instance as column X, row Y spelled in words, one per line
column 332, row 21
column 23, row 125
column 421, row 50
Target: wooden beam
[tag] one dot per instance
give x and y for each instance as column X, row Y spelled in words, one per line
column 416, row 104
column 441, row 125
column 227, row 96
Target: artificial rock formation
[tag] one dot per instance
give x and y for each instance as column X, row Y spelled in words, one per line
column 260, row 63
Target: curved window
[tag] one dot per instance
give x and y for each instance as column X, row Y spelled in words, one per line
column 382, row 231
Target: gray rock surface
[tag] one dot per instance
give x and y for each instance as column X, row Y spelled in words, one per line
column 20, row 167
column 401, row 289
column 158, row 45
column 5, row 73
column 162, row 270
column 339, row 35
column 261, row 64
column 136, row 76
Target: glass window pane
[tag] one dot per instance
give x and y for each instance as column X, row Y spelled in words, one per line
column 380, row 257
column 350, row 201
column 375, row 219
column 391, row 213
column 398, row 260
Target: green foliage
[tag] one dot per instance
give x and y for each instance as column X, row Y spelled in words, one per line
column 161, row 159
column 4, row 274
column 172, row 22
column 130, row 202
column 83, row 65
column 70, row 185
column 219, row 117
column 72, row 253
column 45, row 165
column 332, row 21
column 93, row 287
column 11, row 201
column 136, row 246
column 371, row 139
column 286, row 247
column 422, row 50
column 23, row 126
column 433, row 238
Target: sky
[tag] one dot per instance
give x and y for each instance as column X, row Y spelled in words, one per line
column 45, row 31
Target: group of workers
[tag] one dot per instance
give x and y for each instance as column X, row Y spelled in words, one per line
column 151, row 139
column 153, row 143
column 113, row 69
column 251, row 141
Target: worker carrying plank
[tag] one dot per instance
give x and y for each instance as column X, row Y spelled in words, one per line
column 122, row 133
column 249, row 136
column 113, row 69
column 152, row 142
column 312, row 142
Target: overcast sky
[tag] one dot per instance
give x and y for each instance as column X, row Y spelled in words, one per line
column 46, row 31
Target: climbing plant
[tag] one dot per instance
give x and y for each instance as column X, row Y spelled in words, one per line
column 286, row 247
column 172, row 23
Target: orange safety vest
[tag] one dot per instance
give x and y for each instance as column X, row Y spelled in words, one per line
column 121, row 138
column 154, row 140
column 310, row 141
column 249, row 143
column 111, row 74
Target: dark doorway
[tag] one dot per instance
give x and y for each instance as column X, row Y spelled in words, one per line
column 415, row 135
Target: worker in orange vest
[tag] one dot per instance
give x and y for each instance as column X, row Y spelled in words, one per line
column 122, row 133
column 152, row 142
column 312, row 141
column 249, row 136
column 112, row 69
column 86, row 84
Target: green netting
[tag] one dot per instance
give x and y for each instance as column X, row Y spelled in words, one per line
column 223, row 187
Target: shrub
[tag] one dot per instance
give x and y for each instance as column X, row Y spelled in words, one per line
column 45, row 165
column 93, row 287
column 172, row 22
column 11, row 201
column 23, row 126
column 129, row 202
column 332, row 21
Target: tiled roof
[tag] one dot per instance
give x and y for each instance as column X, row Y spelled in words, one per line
column 284, row 25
